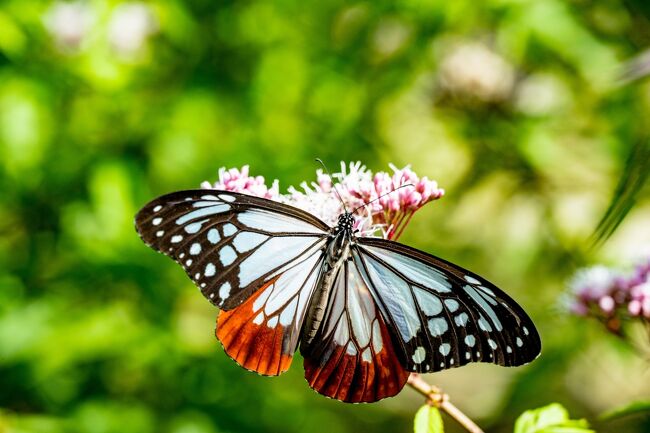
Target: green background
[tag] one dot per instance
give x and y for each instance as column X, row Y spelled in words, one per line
column 100, row 334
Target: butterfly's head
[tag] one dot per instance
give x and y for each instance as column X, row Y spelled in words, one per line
column 346, row 222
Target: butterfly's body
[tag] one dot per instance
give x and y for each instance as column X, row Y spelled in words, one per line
column 363, row 311
column 337, row 250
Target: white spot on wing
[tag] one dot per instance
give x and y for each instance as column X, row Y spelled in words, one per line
column 429, row 302
column 519, row 342
column 195, row 249
column 470, row 340
column 258, row 319
column 156, row 221
column 444, row 349
column 471, row 280
column 452, row 305
column 272, row 322
column 227, row 198
column 157, row 208
column 377, row 342
column 461, row 319
column 228, row 229
column 194, row 227
column 342, row 334
column 366, row 355
column 224, row 290
column 289, row 313
column 227, row 255
column 484, row 325
column 176, row 239
column 213, row 236
column 210, row 270
column 259, row 302
column 438, row 326
column 246, row 241
column 492, row 343
column 419, row 355
column 159, row 233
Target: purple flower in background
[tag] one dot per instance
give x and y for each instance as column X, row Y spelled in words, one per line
column 590, row 286
column 612, row 296
column 385, row 216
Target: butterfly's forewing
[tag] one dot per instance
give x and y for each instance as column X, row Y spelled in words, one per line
column 441, row 315
column 229, row 244
column 256, row 259
column 352, row 358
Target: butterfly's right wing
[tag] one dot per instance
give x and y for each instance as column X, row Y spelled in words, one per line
column 256, row 259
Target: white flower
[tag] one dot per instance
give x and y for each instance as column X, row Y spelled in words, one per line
column 129, row 26
column 69, row 23
column 593, row 283
column 474, row 70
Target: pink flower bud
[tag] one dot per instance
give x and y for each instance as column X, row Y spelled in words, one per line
column 634, row 308
column 607, row 304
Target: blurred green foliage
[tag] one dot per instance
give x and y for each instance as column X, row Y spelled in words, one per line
column 512, row 105
column 428, row 420
column 550, row 419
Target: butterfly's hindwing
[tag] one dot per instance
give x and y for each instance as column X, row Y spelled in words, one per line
column 443, row 316
column 262, row 334
column 229, row 244
column 352, row 358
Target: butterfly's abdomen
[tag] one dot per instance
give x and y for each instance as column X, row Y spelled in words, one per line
column 316, row 311
column 337, row 251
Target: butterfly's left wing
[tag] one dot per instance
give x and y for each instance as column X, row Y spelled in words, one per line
column 256, row 259
column 441, row 315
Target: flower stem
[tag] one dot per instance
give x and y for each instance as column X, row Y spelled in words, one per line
column 437, row 398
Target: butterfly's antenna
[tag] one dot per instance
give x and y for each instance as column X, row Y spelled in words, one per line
column 333, row 184
column 383, row 195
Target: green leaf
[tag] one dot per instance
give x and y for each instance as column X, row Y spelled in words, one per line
column 428, row 420
column 549, row 419
column 630, row 186
column 635, row 408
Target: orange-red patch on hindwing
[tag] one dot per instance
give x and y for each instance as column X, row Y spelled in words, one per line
column 255, row 346
column 336, row 373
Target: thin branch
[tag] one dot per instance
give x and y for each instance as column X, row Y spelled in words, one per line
column 437, row 398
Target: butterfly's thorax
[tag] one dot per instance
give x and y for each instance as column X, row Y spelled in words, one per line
column 337, row 251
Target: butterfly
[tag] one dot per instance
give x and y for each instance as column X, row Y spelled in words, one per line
column 365, row 312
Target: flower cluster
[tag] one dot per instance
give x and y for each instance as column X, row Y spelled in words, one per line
column 236, row 180
column 382, row 203
column 612, row 295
